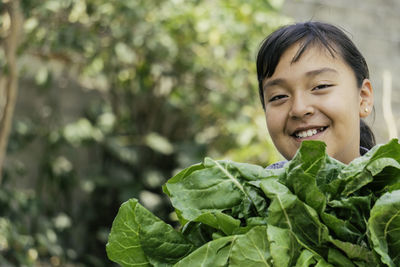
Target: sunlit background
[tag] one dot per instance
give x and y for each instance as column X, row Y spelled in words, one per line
column 115, row 97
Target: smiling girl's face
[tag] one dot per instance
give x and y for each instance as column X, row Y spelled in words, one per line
column 316, row 98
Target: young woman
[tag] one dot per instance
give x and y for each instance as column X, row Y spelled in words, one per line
column 314, row 85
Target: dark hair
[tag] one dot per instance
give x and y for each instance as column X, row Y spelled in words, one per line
column 313, row 33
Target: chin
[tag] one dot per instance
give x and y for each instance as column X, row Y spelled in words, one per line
column 288, row 156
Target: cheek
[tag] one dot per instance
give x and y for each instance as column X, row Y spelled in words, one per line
column 350, row 108
column 342, row 106
column 274, row 122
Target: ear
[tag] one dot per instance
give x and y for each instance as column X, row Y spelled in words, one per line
column 366, row 99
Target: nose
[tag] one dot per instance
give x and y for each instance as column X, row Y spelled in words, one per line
column 301, row 107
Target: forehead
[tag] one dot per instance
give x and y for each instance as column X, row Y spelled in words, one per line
column 299, row 50
column 313, row 56
column 316, row 44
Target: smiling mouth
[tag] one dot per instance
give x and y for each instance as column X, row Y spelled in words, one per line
column 309, row 132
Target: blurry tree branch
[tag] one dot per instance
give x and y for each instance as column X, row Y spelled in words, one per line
column 10, row 32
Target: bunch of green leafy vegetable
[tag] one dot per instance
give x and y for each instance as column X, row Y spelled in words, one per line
column 315, row 211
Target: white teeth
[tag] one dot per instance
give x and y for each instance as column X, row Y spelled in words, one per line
column 308, row 133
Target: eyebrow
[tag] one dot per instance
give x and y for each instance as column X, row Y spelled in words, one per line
column 274, row 82
column 319, row 71
column 310, row 73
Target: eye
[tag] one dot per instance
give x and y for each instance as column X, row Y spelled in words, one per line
column 277, row 97
column 321, row 86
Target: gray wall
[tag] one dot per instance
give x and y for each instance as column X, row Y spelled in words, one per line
column 374, row 26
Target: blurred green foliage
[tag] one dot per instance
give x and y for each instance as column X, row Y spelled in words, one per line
column 115, row 98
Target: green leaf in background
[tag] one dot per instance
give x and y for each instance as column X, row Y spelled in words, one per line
column 159, row 143
column 384, row 227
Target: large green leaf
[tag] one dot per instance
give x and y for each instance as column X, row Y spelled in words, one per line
column 346, row 217
column 336, row 258
column 341, row 228
column 356, row 252
column 287, row 211
column 138, row 238
column 309, row 172
column 304, row 186
column 308, row 259
column 196, row 193
column 283, row 246
column 252, row 172
column 214, row 253
column 199, row 192
column 363, row 170
column 219, row 221
column 123, row 244
column 354, row 210
column 310, row 157
column 252, row 249
column 198, row 233
column 384, row 227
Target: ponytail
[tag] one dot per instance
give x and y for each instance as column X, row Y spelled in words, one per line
column 367, row 137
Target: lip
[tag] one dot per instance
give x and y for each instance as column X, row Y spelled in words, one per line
column 309, row 127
